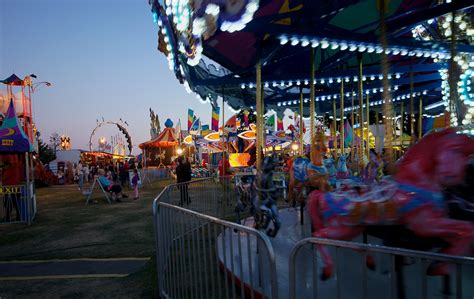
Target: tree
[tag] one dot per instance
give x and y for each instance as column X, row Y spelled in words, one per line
column 54, row 142
column 46, row 154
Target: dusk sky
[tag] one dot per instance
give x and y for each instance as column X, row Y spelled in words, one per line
column 102, row 60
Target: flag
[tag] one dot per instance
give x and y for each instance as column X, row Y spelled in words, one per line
column 177, row 131
column 347, row 133
column 279, row 123
column 270, row 124
column 215, row 118
column 231, row 124
column 191, row 118
column 195, row 127
column 205, row 130
column 246, row 118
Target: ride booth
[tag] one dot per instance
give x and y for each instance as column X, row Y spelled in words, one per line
column 16, row 185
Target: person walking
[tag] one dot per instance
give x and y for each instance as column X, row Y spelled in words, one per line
column 135, row 181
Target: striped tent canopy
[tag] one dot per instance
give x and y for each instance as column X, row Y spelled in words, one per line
column 167, row 138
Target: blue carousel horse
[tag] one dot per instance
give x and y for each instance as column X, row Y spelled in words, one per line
column 329, row 163
column 267, row 195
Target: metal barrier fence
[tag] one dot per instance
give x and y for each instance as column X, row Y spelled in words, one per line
column 353, row 280
column 210, row 196
column 149, row 175
column 192, row 260
column 18, row 204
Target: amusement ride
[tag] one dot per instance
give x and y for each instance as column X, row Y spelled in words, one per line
column 387, row 87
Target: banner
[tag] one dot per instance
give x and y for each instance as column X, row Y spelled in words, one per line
column 231, row 124
column 195, row 127
column 205, row 130
column 246, row 118
column 190, row 118
column 279, row 123
column 215, row 118
column 270, row 124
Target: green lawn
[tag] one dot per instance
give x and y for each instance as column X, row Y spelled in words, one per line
column 65, row 228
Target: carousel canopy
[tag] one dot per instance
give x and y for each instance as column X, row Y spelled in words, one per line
column 213, row 48
column 12, row 136
column 167, row 138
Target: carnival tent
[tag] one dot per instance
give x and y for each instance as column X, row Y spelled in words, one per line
column 161, row 149
column 12, row 136
column 13, row 80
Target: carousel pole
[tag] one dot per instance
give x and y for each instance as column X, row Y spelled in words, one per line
column 377, row 127
column 223, row 134
column 334, row 125
column 312, row 106
column 361, row 116
column 412, row 108
column 367, row 110
column 387, row 100
column 352, row 133
column 301, row 148
column 342, row 116
column 259, row 107
column 453, row 76
column 420, row 119
column 402, row 122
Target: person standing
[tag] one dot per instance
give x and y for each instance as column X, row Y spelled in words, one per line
column 135, row 180
column 183, row 175
column 80, row 175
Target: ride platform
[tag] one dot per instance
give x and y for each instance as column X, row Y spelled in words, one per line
column 247, row 267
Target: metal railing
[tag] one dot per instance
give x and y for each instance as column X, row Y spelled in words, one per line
column 210, row 196
column 200, row 256
column 149, row 175
column 18, row 204
column 355, row 277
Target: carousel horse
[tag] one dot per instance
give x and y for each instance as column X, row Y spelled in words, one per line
column 267, row 194
column 342, row 171
column 306, row 173
column 413, row 199
column 332, row 171
column 245, row 189
column 371, row 172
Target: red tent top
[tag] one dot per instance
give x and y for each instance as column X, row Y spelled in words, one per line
column 166, row 138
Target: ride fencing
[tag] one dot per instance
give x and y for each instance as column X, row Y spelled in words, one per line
column 149, row 175
column 18, row 204
column 200, row 256
column 353, row 280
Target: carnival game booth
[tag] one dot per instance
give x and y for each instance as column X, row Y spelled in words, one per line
column 16, row 186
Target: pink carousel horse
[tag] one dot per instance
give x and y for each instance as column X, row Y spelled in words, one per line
column 412, row 199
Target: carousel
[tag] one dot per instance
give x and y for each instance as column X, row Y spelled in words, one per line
column 385, row 91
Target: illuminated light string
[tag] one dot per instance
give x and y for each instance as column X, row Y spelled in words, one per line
column 345, row 45
column 333, row 96
column 328, row 80
column 467, row 94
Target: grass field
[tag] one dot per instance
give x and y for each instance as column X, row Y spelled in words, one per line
column 65, row 228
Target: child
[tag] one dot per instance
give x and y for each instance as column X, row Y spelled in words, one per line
column 135, row 180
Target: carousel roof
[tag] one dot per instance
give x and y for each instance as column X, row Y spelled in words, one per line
column 166, row 138
column 213, row 47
